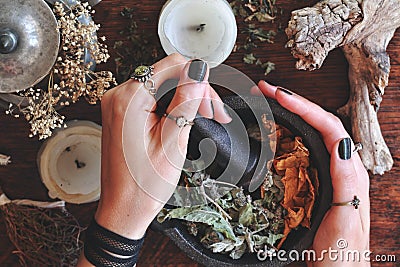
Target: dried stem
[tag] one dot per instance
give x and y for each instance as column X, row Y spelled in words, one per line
column 42, row 236
column 223, row 212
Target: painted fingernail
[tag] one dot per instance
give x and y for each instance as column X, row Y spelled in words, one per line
column 286, row 91
column 267, row 82
column 212, row 108
column 345, row 148
column 227, row 112
column 197, row 70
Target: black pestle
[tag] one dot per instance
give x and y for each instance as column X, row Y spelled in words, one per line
column 235, row 156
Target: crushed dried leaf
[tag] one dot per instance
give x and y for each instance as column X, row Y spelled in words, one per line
column 292, row 162
column 235, row 222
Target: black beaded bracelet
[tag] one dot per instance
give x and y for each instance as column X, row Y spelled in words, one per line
column 106, row 248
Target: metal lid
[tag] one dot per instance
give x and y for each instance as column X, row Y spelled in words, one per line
column 29, row 43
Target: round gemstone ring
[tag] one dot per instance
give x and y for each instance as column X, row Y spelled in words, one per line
column 180, row 121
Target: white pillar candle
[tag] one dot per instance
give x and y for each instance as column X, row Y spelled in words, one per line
column 203, row 29
column 70, row 162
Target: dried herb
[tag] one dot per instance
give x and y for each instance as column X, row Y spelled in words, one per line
column 261, row 10
column 137, row 47
column 234, row 222
column 251, row 59
column 258, row 34
column 231, row 222
column 249, row 227
column 44, row 234
column 299, row 178
column 71, row 77
column 255, row 14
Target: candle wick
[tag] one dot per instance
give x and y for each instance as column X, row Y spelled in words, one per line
column 80, row 164
column 201, row 27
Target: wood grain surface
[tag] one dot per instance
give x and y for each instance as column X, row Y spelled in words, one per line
column 328, row 87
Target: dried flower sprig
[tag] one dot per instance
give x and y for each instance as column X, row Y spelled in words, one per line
column 40, row 113
column 72, row 76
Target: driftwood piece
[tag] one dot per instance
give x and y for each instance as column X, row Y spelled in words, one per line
column 363, row 30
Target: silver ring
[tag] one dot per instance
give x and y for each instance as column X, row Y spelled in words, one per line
column 180, row 121
column 357, row 147
column 143, row 74
column 150, row 85
column 355, row 203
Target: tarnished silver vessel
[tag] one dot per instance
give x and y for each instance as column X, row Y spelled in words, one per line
column 29, row 45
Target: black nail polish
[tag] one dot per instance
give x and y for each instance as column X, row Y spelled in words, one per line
column 212, row 108
column 227, row 111
column 197, row 70
column 286, row 91
column 345, row 149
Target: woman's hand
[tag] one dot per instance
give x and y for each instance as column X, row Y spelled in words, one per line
column 349, row 179
column 143, row 153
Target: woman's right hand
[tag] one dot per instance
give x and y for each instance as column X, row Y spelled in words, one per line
column 343, row 228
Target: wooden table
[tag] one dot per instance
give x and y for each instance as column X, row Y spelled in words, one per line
column 328, row 87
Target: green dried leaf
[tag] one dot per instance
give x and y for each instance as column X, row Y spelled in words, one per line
column 261, row 17
column 246, row 215
column 212, row 218
column 258, row 12
column 268, row 66
column 177, row 213
column 249, row 58
column 242, row 12
column 251, row 26
column 269, row 240
column 200, row 214
column 226, row 203
column 239, row 251
column 216, row 189
column 179, row 198
column 264, row 17
column 264, row 36
column 225, row 245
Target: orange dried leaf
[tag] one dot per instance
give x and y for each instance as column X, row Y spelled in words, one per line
column 300, row 181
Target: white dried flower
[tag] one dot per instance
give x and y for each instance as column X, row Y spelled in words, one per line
column 73, row 75
column 4, row 160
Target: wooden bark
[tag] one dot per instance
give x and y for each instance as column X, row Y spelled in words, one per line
column 363, row 30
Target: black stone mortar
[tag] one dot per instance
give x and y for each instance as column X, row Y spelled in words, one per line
column 300, row 239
